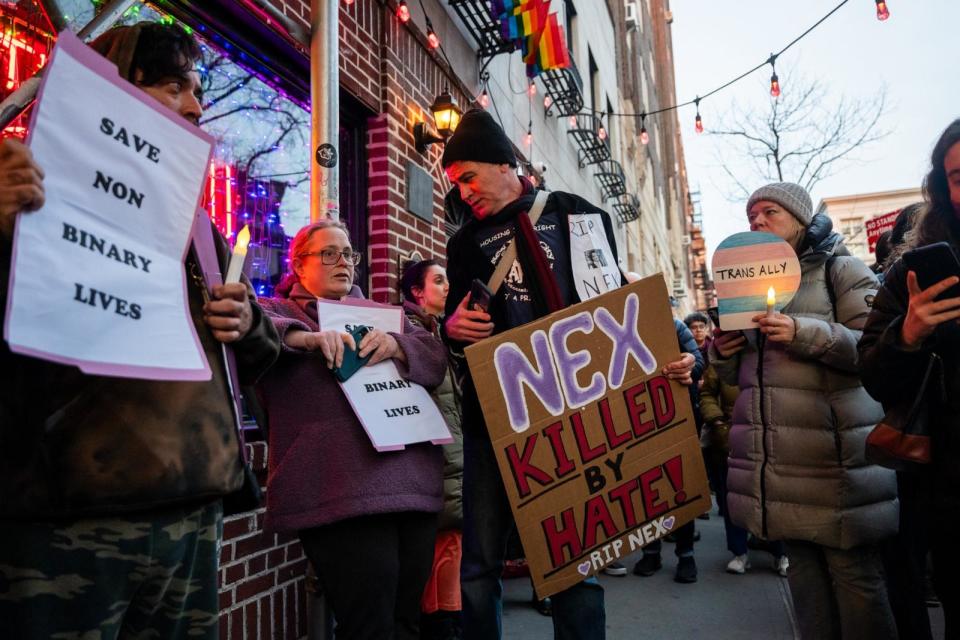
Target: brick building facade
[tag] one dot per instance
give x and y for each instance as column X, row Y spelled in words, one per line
column 393, row 75
column 389, row 76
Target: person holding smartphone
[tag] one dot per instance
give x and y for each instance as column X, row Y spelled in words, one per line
column 327, row 482
column 908, row 327
column 797, row 470
column 495, row 203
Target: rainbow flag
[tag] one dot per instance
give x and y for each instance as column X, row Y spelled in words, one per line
column 547, row 49
column 521, row 18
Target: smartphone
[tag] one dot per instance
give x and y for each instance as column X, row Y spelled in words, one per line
column 351, row 361
column 932, row 264
column 480, row 296
column 714, row 313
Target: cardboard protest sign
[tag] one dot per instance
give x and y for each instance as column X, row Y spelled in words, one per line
column 597, row 449
column 97, row 276
column 393, row 411
column 877, row 225
column 745, row 266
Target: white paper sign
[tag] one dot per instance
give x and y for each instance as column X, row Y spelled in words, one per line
column 97, row 275
column 393, row 411
column 595, row 271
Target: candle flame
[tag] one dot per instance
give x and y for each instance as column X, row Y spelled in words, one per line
column 771, row 297
column 243, row 239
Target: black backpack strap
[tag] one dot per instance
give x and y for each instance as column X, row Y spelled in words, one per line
column 828, row 279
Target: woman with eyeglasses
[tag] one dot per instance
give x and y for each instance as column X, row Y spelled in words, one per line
column 367, row 520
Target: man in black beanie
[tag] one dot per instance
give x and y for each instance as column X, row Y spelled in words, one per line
column 568, row 254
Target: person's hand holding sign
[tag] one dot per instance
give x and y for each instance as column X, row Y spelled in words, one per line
column 21, row 184
column 680, row 370
column 229, row 315
column 777, row 327
column 329, row 343
column 468, row 325
column 381, row 346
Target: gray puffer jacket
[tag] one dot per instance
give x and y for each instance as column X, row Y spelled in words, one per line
column 797, row 469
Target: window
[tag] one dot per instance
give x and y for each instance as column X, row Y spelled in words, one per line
column 594, row 76
column 260, row 172
column 571, row 24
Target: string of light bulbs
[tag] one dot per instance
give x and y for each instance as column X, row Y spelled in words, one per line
column 883, row 13
column 402, row 13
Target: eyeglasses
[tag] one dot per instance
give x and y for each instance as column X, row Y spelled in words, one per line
column 332, row 256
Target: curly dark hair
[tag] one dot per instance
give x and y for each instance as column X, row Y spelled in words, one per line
column 935, row 186
column 940, row 221
column 696, row 316
column 414, row 276
column 162, row 50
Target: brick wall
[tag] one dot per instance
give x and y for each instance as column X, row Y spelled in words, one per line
column 389, row 68
column 262, row 577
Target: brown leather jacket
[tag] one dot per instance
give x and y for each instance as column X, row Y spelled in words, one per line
column 77, row 445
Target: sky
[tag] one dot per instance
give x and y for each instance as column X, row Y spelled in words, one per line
column 914, row 53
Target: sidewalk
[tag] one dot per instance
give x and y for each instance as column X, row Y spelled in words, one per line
column 719, row 605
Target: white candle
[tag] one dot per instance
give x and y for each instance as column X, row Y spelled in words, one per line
column 238, row 256
column 771, row 300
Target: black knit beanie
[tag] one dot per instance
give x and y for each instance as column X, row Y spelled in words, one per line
column 479, row 138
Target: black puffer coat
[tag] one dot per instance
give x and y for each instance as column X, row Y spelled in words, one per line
column 892, row 373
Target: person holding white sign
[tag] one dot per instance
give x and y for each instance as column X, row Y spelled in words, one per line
column 797, row 470
column 367, row 520
column 110, row 488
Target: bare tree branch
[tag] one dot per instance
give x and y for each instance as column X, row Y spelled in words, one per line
column 804, row 136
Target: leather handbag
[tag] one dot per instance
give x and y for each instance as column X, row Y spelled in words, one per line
column 901, row 441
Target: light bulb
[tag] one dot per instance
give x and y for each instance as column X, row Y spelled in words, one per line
column 432, row 38
column 882, row 12
column 775, row 85
column 484, row 99
column 644, row 136
column 573, row 122
column 698, row 124
column 528, row 139
column 403, row 12
column 547, row 101
column 602, row 133
column 531, row 89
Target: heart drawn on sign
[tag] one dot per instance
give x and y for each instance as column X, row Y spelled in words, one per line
column 669, row 522
column 584, row 567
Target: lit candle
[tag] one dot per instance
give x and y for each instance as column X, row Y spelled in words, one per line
column 771, row 300
column 238, row 256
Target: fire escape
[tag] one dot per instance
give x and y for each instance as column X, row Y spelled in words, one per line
column 627, row 208
column 585, row 131
column 564, row 88
column 610, row 177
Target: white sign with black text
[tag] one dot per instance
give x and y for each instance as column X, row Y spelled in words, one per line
column 595, row 271
column 394, row 411
column 97, row 276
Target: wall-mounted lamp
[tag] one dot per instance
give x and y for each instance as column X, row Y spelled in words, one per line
column 446, row 115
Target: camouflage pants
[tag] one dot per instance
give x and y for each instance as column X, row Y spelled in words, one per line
column 148, row 576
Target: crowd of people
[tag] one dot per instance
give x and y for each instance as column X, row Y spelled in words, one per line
column 112, row 490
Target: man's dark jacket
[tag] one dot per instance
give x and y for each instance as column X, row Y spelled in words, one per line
column 75, row 445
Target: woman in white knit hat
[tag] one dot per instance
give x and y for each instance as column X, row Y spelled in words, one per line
column 797, row 470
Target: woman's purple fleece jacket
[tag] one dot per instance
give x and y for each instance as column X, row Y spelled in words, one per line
column 322, row 466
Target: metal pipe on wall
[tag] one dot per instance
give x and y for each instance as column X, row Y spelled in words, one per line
column 325, row 110
column 105, row 19
column 18, row 101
